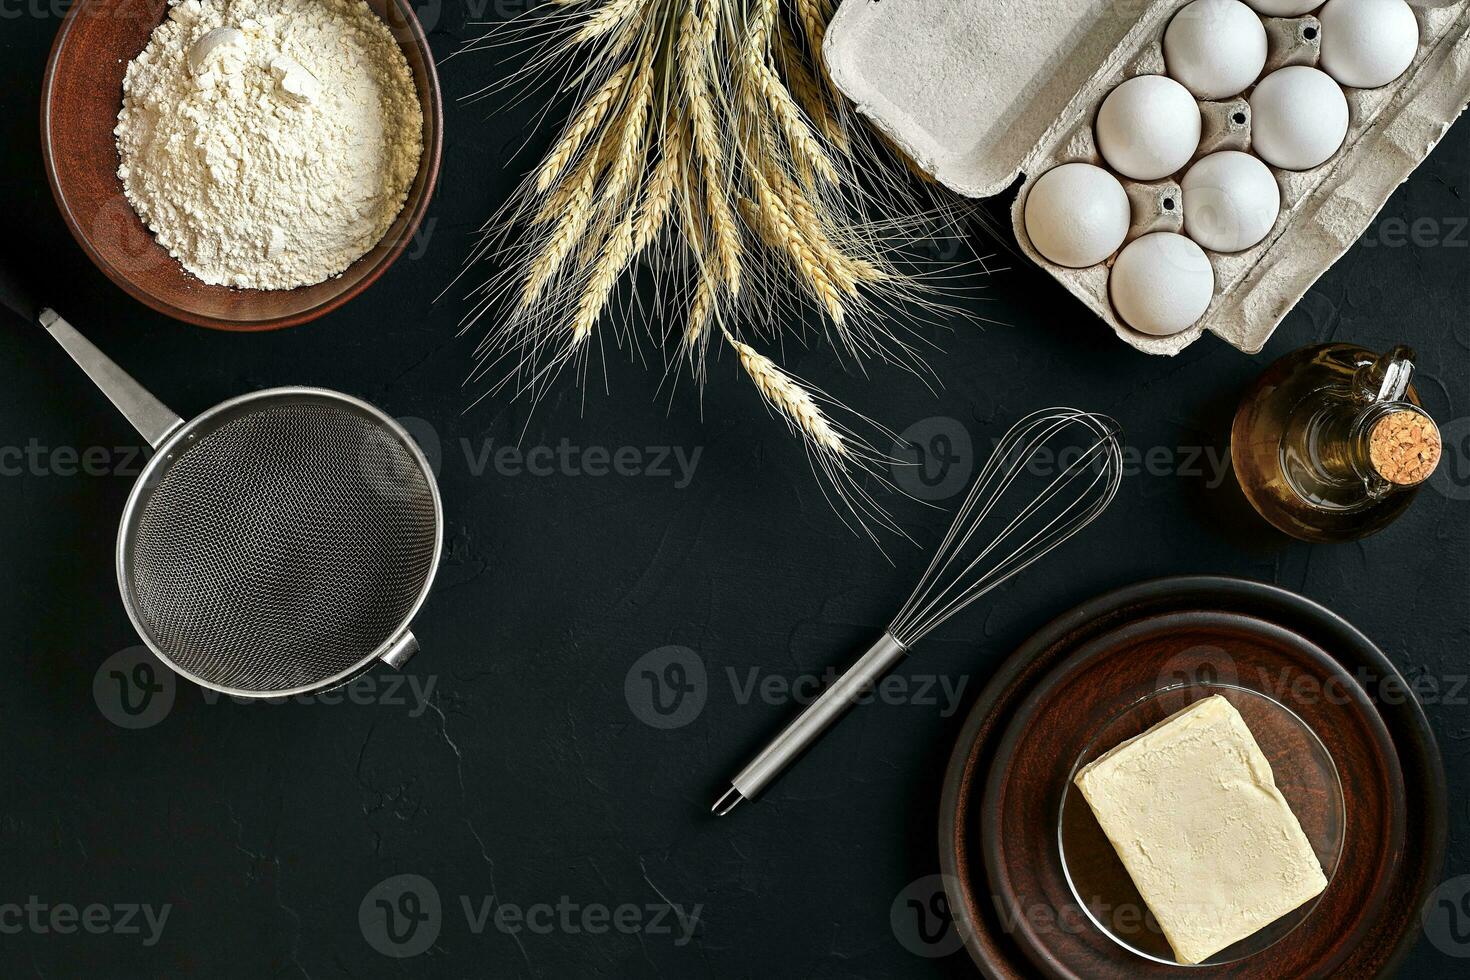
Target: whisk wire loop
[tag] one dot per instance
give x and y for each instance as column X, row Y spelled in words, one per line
column 951, row 583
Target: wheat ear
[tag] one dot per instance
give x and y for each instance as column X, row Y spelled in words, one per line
column 701, row 311
column 696, row 35
column 566, row 235
column 616, row 253
column 813, row 19
column 588, row 117
column 781, row 230
column 799, row 136
column 628, row 139
column 846, row 271
column 789, row 398
column 810, row 93
column 658, row 194
column 610, row 15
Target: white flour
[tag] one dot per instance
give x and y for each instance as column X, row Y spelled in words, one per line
column 269, row 143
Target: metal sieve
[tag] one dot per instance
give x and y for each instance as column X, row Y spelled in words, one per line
column 280, row 543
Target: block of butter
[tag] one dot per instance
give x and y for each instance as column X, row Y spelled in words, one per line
column 1193, row 810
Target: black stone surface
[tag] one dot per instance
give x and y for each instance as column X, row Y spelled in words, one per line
column 527, row 780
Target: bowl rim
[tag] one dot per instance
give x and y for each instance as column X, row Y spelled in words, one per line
column 429, row 165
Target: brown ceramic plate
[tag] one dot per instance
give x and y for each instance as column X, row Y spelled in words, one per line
column 1064, row 713
column 998, row 846
column 81, row 97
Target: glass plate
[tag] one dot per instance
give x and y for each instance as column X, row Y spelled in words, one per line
column 1304, row 773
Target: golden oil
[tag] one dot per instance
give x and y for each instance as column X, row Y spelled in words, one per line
column 1331, row 444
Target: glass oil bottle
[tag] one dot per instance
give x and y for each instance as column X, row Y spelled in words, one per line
column 1331, row 444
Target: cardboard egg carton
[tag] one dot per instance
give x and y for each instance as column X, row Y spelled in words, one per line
column 978, row 92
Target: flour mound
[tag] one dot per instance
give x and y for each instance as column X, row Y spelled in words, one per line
column 269, row 144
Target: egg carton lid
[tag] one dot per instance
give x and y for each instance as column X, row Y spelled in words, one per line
column 973, row 91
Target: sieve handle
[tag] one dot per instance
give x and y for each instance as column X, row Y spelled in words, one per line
column 149, row 416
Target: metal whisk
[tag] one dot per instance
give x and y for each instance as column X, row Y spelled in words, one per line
column 978, row 553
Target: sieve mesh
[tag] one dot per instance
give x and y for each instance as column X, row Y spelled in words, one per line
column 286, row 543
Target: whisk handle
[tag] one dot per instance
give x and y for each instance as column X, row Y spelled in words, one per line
column 813, row 722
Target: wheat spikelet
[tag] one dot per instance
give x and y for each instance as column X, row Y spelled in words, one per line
column 617, row 252
column 587, row 119
column 696, row 37
column 627, row 141
column 810, row 93
column 612, row 14
column 658, row 194
column 789, row 398
column 799, row 136
column 568, row 231
column 701, row 310
column 781, row 230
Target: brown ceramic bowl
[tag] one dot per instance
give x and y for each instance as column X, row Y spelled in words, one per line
column 81, row 98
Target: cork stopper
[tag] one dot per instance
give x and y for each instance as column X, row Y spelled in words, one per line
column 1404, row 447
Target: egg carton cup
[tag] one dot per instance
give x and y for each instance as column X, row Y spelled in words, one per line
column 979, row 92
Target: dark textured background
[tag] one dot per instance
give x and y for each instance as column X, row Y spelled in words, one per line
column 529, row 776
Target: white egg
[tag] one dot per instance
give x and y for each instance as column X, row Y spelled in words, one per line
column 1367, row 43
column 1284, row 8
column 1161, row 283
column 1299, row 117
column 1216, row 48
column 1231, row 201
column 1148, row 127
column 1077, row 214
